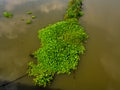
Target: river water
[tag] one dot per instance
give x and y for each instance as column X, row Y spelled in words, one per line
column 99, row 66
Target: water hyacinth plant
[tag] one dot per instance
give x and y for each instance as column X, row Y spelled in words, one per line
column 62, row 43
column 74, row 9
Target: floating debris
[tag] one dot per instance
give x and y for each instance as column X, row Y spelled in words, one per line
column 7, row 14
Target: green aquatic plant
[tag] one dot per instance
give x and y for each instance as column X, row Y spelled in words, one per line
column 29, row 12
column 61, row 45
column 74, row 9
column 28, row 21
column 7, row 14
column 33, row 17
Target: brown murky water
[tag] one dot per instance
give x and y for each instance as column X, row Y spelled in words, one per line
column 99, row 66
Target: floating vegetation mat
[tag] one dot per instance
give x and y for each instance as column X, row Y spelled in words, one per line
column 62, row 44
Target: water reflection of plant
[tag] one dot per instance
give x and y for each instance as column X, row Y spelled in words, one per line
column 62, row 43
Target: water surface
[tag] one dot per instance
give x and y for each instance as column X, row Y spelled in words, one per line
column 99, row 66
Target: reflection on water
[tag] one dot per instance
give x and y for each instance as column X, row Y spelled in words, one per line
column 19, row 86
column 9, row 27
column 98, row 68
column 17, row 39
column 11, row 4
column 52, row 5
column 45, row 7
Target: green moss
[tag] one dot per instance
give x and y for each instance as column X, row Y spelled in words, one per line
column 28, row 21
column 8, row 14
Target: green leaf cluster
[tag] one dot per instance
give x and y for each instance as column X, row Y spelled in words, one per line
column 74, row 9
column 62, row 43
